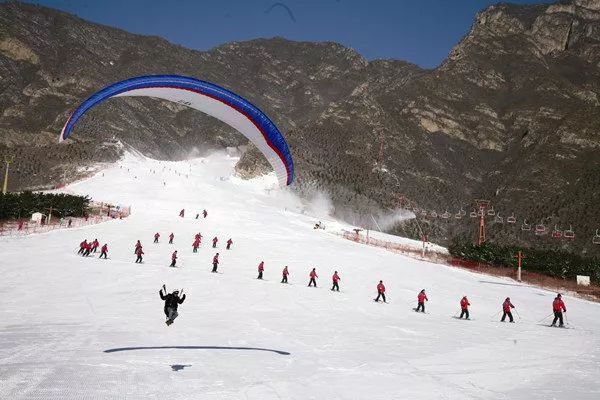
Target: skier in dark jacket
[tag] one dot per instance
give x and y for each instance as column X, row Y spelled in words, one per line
column 172, row 301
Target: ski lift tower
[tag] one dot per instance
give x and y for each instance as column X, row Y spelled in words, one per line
column 482, row 206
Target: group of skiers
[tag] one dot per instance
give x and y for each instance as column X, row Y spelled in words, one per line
column 182, row 213
column 86, row 248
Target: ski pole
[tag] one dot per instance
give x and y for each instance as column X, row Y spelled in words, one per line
column 517, row 313
column 566, row 319
column 546, row 317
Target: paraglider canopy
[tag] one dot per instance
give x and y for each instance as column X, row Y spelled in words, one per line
column 209, row 98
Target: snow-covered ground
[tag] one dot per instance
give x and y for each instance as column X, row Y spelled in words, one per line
column 74, row 328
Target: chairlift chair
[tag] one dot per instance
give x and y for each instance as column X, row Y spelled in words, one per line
column 473, row 214
column 525, row 226
column 498, row 219
column 511, row 219
column 433, row 214
column 423, row 213
column 569, row 233
column 540, row 229
column 556, row 234
column 596, row 238
column 491, row 212
column 446, row 215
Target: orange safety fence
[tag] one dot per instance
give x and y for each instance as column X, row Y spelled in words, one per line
column 102, row 213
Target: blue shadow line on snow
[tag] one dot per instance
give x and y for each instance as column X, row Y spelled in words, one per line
column 283, row 353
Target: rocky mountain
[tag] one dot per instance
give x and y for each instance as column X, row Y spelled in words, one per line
column 510, row 116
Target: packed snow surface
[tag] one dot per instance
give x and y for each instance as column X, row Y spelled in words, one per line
column 75, row 328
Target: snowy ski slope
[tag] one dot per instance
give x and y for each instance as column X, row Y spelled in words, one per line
column 75, row 328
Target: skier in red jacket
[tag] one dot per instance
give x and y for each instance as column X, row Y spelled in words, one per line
column 205, row 213
column 104, row 251
column 139, row 252
column 82, row 246
column 464, row 307
column 195, row 245
column 284, row 274
column 171, row 237
column 229, row 243
column 138, row 245
column 261, row 268
column 506, row 306
column 380, row 291
column 313, row 275
column 421, row 299
column 95, row 245
column 156, row 236
column 215, row 262
column 215, row 240
column 173, row 259
column 558, row 307
column 335, row 278
column 88, row 249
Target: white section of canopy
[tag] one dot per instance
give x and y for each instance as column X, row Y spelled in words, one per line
column 222, row 112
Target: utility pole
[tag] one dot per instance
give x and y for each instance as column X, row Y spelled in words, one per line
column 482, row 205
column 8, row 161
column 519, row 258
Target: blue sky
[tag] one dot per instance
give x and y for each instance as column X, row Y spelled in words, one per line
column 419, row 31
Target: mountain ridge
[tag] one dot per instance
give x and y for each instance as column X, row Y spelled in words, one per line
column 510, row 115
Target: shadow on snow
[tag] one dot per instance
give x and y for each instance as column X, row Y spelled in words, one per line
column 118, row 349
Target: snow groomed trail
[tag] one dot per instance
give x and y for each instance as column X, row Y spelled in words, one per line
column 74, row 327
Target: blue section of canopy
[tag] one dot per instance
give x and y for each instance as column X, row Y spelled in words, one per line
column 271, row 135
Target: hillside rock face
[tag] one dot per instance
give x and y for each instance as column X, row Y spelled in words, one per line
column 512, row 115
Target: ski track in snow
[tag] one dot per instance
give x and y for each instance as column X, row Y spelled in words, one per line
column 61, row 312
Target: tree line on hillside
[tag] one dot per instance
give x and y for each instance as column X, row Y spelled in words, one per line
column 23, row 204
column 556, row 263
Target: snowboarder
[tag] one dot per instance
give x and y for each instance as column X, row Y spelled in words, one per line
column 182, row 213
column 95, row 245
column 284, row 274
column 156, row 236
column 138, row 245
column 82, row 246
column 197, row 215
column 195, row 245
column 215, row 262
column 205, row 213
column 139, row 252
column 229, row 243
column 335, row 278
column 558, row 306
column 261, row 268
column 171, row 237
column 215, row 240
column 172, row 301
column 421, row 299
column 313, row 275
column 506, row 306
column 381, row 291
column 173, row 259
column 464, row 307
column 104, row 251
